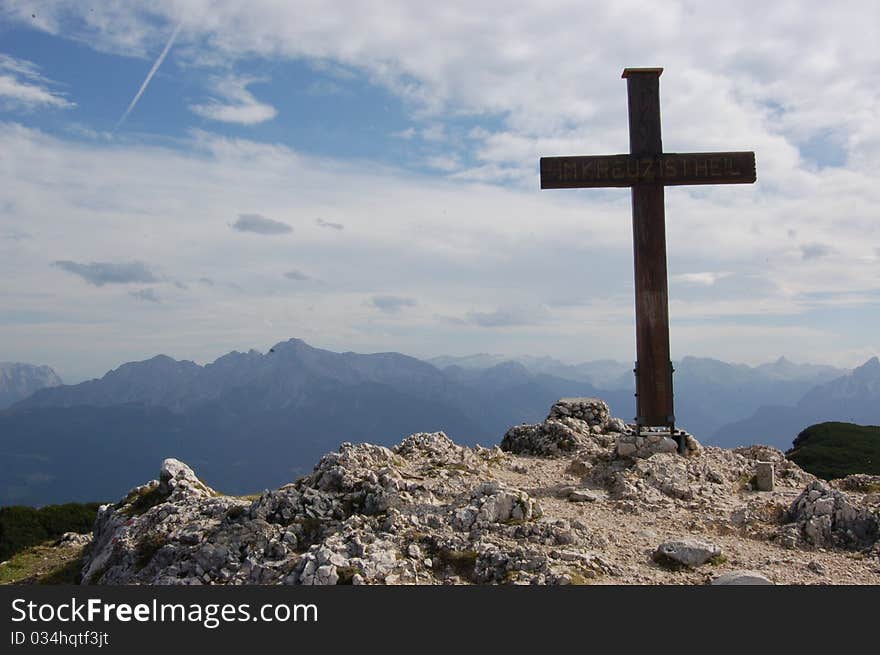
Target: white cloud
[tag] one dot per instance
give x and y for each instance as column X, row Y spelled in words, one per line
column 772, row 78
column 22, row 86
column 238, row 105
column 494, row 257
column 703, row 278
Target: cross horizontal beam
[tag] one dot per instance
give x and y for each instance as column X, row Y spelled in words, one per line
column 631, row 170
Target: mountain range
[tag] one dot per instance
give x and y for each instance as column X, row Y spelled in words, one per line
column 853, row 398
column 251, row 420
column 709, row 394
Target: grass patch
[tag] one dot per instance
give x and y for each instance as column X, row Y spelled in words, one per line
column 718, row 560
column 147, row 548
column 43, row 564
column 668, row 563
column 462, row 562
column 140, row 500
column 308, row 531
column 673, row 565
column 235, row 512
column 511, row 576
column 578, row 577
column 514, row 522
column 346, row 574
column 65, row 574
column 747, row 482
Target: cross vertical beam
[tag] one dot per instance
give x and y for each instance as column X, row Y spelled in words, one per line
column 654, row 396
column 647, row 170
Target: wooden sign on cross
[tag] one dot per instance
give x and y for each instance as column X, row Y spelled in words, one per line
column 647, row 169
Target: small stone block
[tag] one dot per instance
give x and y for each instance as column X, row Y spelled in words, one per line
column 764, row 476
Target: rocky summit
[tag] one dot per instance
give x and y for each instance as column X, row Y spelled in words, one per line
column 579, row 498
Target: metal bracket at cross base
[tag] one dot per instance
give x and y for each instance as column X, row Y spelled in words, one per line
column 669, row 422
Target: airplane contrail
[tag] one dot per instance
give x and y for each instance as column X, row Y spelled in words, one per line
column 149, row 77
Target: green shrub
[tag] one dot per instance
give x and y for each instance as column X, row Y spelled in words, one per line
column 462, row 562
column 138, row 502
column 148, row 546
column 834, row 450
column 22, row 527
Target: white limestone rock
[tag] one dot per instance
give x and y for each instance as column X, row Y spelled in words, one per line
column 573, row 425
column 825, row 517
column 429, row 511
column 741, row 578
column 582, row 496
column 687, row 551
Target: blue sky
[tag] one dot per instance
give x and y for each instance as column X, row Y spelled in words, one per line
column 364, row 176
column 306, row 105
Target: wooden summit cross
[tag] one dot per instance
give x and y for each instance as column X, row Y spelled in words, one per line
column 647, row 169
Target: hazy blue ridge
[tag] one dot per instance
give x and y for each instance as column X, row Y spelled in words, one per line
column 250, row 421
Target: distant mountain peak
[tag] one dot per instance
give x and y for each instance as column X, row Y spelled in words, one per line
column 162, row 359
column 161, row 362
column 871, row 366
column 291, row 345
column 18, row 381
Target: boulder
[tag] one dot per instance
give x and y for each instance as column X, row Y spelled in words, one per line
column 825, row 517
column 552, row 438
column 741, row 578
column 175, row 477
column 687, row 552
column 592, row 411
column 493, row 502
column 648, row 444
column 582, row 496
column 573, row 425
column 73, row 539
